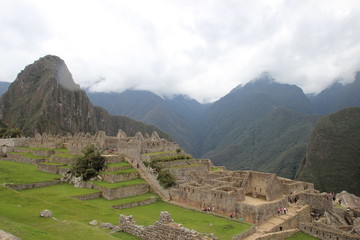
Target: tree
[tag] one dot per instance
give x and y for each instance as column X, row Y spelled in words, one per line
column 90, row 164
column 166, row 179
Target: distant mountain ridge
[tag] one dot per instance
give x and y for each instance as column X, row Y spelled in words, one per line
column 263, row 125
column 44, row 98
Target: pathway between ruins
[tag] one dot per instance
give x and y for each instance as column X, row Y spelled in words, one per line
column 273, row 223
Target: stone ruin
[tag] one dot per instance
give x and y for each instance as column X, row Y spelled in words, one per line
column 163, row 229
column 132, row 146
column 232, row 192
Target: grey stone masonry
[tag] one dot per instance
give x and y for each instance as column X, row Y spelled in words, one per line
column 163, row 229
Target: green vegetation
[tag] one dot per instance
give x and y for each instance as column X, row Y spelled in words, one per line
column 90, row 164
column 101, row 202
column 10, row 132
column 44, row 149
column 20, row 211
column 21, row 173
column 121, row 184
column 120, row 164
column 166, row 179
column 30, row 155
column 301, row 236
column 129, row 170
column 68, row 155
column 172, row 158
column 215, row 169
column 190, row 165
column 333, row 153
column 158, row 153
column 52, row 163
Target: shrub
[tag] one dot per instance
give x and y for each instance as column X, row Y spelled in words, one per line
column 90, row 164
column 166, row 179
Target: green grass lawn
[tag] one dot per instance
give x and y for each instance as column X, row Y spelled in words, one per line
column 301, row 236
column 68, row 155
column 186, row 166
column 201, row 222
column 120, row 164
column 20, row 216
column 128, row 170
column 120, row 184
column 30, row 155
column 21, row 173
column 19, row 210
column 52, row 163
column 101, row 202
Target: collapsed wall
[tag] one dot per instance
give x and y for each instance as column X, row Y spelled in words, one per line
column 163, row 229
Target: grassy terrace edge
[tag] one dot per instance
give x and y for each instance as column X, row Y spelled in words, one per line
column 120, row 184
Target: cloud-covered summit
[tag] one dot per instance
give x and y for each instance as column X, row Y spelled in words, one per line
column 199, row 48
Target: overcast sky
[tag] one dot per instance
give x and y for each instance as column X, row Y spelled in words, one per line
column 201, row 48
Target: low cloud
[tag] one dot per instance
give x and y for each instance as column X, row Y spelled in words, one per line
column 199, row 48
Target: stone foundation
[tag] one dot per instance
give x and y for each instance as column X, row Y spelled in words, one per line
column 163, row 229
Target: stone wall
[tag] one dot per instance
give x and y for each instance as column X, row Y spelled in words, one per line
column 278, row 235
column 24, row 159
column 322, row 231
column 65, row 160
column 150, row 178
column 303, row 215
column 259, row 213
column 88, row 196
column 321, row 202
column 180, row 173
column 49, row 168
column 245, row 234
column 264, row 184
column 136, row 204
column 113, row 178
column 123, row 192
column 19, row 187
column 163, row 229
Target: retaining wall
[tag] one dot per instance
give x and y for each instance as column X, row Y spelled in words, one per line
column 23, row 159
column 123, row 192
column 114, row 178
column 136, row 204
column 278, row 235
column 258, row 214
column 65, row 160
column 303, row 215
column 19, row 187
column 323, row 232
column 48, row 168
column 88, row 196
column 244, row 235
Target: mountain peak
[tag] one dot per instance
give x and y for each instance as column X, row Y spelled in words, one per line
column 264, row 77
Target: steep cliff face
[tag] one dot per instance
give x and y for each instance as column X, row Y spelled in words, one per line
column 45, row 98
column 333, row 154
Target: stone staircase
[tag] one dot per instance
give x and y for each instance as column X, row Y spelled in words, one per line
column 273, row 224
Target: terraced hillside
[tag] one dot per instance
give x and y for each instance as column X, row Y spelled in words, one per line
column 120, row 191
